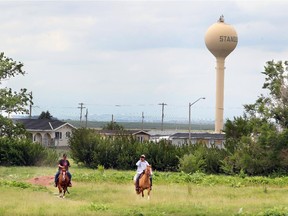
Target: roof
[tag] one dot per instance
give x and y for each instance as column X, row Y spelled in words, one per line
column 215, row 136
column 123, row 132
column 162, row 133
column 42, row 124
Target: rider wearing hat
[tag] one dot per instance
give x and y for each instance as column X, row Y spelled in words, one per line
column 141, row 166
column 63, row 163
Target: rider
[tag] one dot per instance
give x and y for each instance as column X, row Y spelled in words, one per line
column 63, row 163
column 141, row 166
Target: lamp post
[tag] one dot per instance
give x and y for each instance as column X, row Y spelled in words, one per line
column 191, row 104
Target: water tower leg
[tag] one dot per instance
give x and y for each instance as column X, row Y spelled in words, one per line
column 219, row 95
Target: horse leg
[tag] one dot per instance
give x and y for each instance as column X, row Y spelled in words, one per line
column 64, row 192
column 60, row 190
column 60, row 193
column 148, row 193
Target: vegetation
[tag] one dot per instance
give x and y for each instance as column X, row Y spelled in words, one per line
column 120, row 152
column 257, row 142
column 45, row 115
column 113, row 126
column 22, row 152
column 15, row 149
column 111, row 192
column 12, row 101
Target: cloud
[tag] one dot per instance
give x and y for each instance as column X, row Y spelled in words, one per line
column 144, row 52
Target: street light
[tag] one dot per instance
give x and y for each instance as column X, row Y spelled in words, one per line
column 191, row 104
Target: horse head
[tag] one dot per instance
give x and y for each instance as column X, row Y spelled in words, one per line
column 63, row 174
column 148, row 170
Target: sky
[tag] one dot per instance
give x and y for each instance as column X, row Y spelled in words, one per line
column 123, row 58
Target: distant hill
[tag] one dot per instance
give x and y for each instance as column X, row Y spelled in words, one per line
column 146, row 125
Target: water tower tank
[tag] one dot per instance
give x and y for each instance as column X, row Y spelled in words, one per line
column 220, row 39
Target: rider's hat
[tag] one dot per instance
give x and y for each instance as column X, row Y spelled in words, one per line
column 142, row 156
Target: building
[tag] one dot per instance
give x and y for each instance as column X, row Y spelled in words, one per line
column 208, row 139
column 158, row 135
column 140, row 135
column 48, row 132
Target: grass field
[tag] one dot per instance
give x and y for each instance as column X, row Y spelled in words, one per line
column 111, row 192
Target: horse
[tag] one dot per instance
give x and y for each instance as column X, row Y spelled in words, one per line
column 144, row 182
column 63, row 182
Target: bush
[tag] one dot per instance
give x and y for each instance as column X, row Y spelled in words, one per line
column 191, row 163
column 23, row 152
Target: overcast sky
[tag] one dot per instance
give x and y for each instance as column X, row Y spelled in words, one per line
column 126, row 57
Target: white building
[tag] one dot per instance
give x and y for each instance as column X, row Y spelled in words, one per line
column 48, row 132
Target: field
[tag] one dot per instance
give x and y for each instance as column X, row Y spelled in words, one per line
column 111, row 192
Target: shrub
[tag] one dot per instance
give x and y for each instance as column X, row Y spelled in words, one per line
column 23, row 152
column 192, row 162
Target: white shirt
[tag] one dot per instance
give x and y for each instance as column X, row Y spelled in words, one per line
column 141, row 166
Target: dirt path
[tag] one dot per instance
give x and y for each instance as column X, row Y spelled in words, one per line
column 42, row 180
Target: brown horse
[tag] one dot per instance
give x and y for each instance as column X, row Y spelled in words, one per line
column 144, row 182
column 63, row 182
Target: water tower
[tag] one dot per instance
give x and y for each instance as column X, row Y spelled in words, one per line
column 220, row 39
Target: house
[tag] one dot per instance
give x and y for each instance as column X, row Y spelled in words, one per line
column 48, row 132
column 158, row 135
column 140, row 135
column 206, row 138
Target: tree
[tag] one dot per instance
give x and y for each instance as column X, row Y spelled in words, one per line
column 274, row 106
column 113, row 126
column 45, row 115
column 12, row 101
column 257, row 142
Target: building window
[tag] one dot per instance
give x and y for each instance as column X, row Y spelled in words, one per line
column 58, row 135
column 68, row 134
column 140, row 139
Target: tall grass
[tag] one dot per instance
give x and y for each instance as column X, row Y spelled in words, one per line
column 111, row 192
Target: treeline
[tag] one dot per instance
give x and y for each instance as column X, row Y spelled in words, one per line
column 265, row 155
column 122, row 152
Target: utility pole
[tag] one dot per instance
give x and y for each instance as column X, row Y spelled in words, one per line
column 30, row 107
column 191, row 104
column 142, row 120
column 81, row 108
column 86, row 117
column 162, row 104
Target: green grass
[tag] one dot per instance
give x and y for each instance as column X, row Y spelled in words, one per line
column 112, row 193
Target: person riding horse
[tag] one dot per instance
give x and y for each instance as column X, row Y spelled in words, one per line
column 141, row 166
column 63, row 164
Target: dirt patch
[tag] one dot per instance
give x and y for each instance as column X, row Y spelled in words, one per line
column 42, row 180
